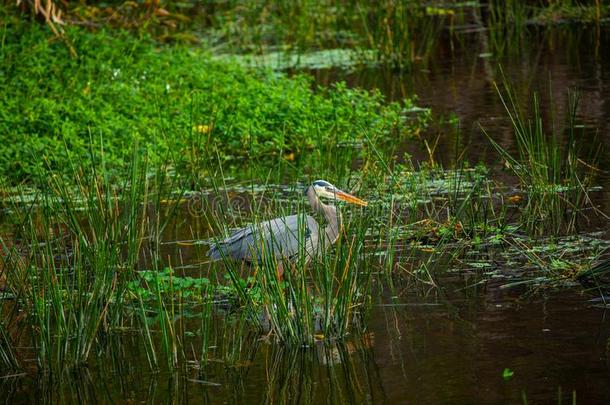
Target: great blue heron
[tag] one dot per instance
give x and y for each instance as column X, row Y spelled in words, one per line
column 280, row 237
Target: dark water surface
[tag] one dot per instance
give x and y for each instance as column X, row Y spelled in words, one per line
column 459, row 81
column 423, row 350
column 448, row 346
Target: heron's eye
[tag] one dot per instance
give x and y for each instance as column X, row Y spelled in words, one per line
column 330, row 189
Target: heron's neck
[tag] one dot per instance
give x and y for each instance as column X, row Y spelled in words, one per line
column 329, row 212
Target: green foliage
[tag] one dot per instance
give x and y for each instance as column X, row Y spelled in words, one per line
column 8, row 359
column 174, row 101
column 166, row 282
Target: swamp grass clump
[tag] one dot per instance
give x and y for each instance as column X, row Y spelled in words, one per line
column 554, row 178
column 75, row 247
column 430, row 203
column 595, row 278
column 542, row 264
column 72, row 258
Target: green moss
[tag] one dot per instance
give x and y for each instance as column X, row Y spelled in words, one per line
column 177, row 102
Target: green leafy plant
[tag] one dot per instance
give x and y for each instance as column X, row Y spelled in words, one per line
column 177, row 102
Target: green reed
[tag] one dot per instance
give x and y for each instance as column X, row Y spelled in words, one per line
column 553, row 176
column 398, row 33
column 67, row 271
column 77, row 246
column 509, row 13
column 8, row 357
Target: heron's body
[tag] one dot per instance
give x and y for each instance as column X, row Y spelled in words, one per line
column 282, row 237
column 279, row 237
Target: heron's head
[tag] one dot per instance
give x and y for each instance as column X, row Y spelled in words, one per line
column 322, row 188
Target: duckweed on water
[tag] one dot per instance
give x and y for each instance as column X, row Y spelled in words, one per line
column 324, row 59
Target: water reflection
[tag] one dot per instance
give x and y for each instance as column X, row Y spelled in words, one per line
column 324, row 373
column 424, row 349
column 432, row 355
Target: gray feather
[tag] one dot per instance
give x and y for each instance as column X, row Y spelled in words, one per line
column 278, row 237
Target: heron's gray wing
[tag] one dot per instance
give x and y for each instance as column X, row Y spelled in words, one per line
column 231, row 246
column 286, row 234
column 279, row 237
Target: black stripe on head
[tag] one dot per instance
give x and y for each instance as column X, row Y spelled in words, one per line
column 322, row 183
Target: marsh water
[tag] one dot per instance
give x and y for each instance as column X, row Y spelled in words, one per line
column 460, row 80
column 461, row 342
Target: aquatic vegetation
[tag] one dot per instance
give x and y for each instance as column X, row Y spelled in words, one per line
column 72, row 260
column 541, row 264
column 106, row 292
column 555, row 179
column 72, row 256
column 8, row 358
column 322, row 59
column 595, row 277
column 432, row 203
column 151, row 283
column 518, row 13
column 397, row 34
column 571, row 11
column 178, row 103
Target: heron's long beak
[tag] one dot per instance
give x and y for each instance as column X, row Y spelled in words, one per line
column 342, row 195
